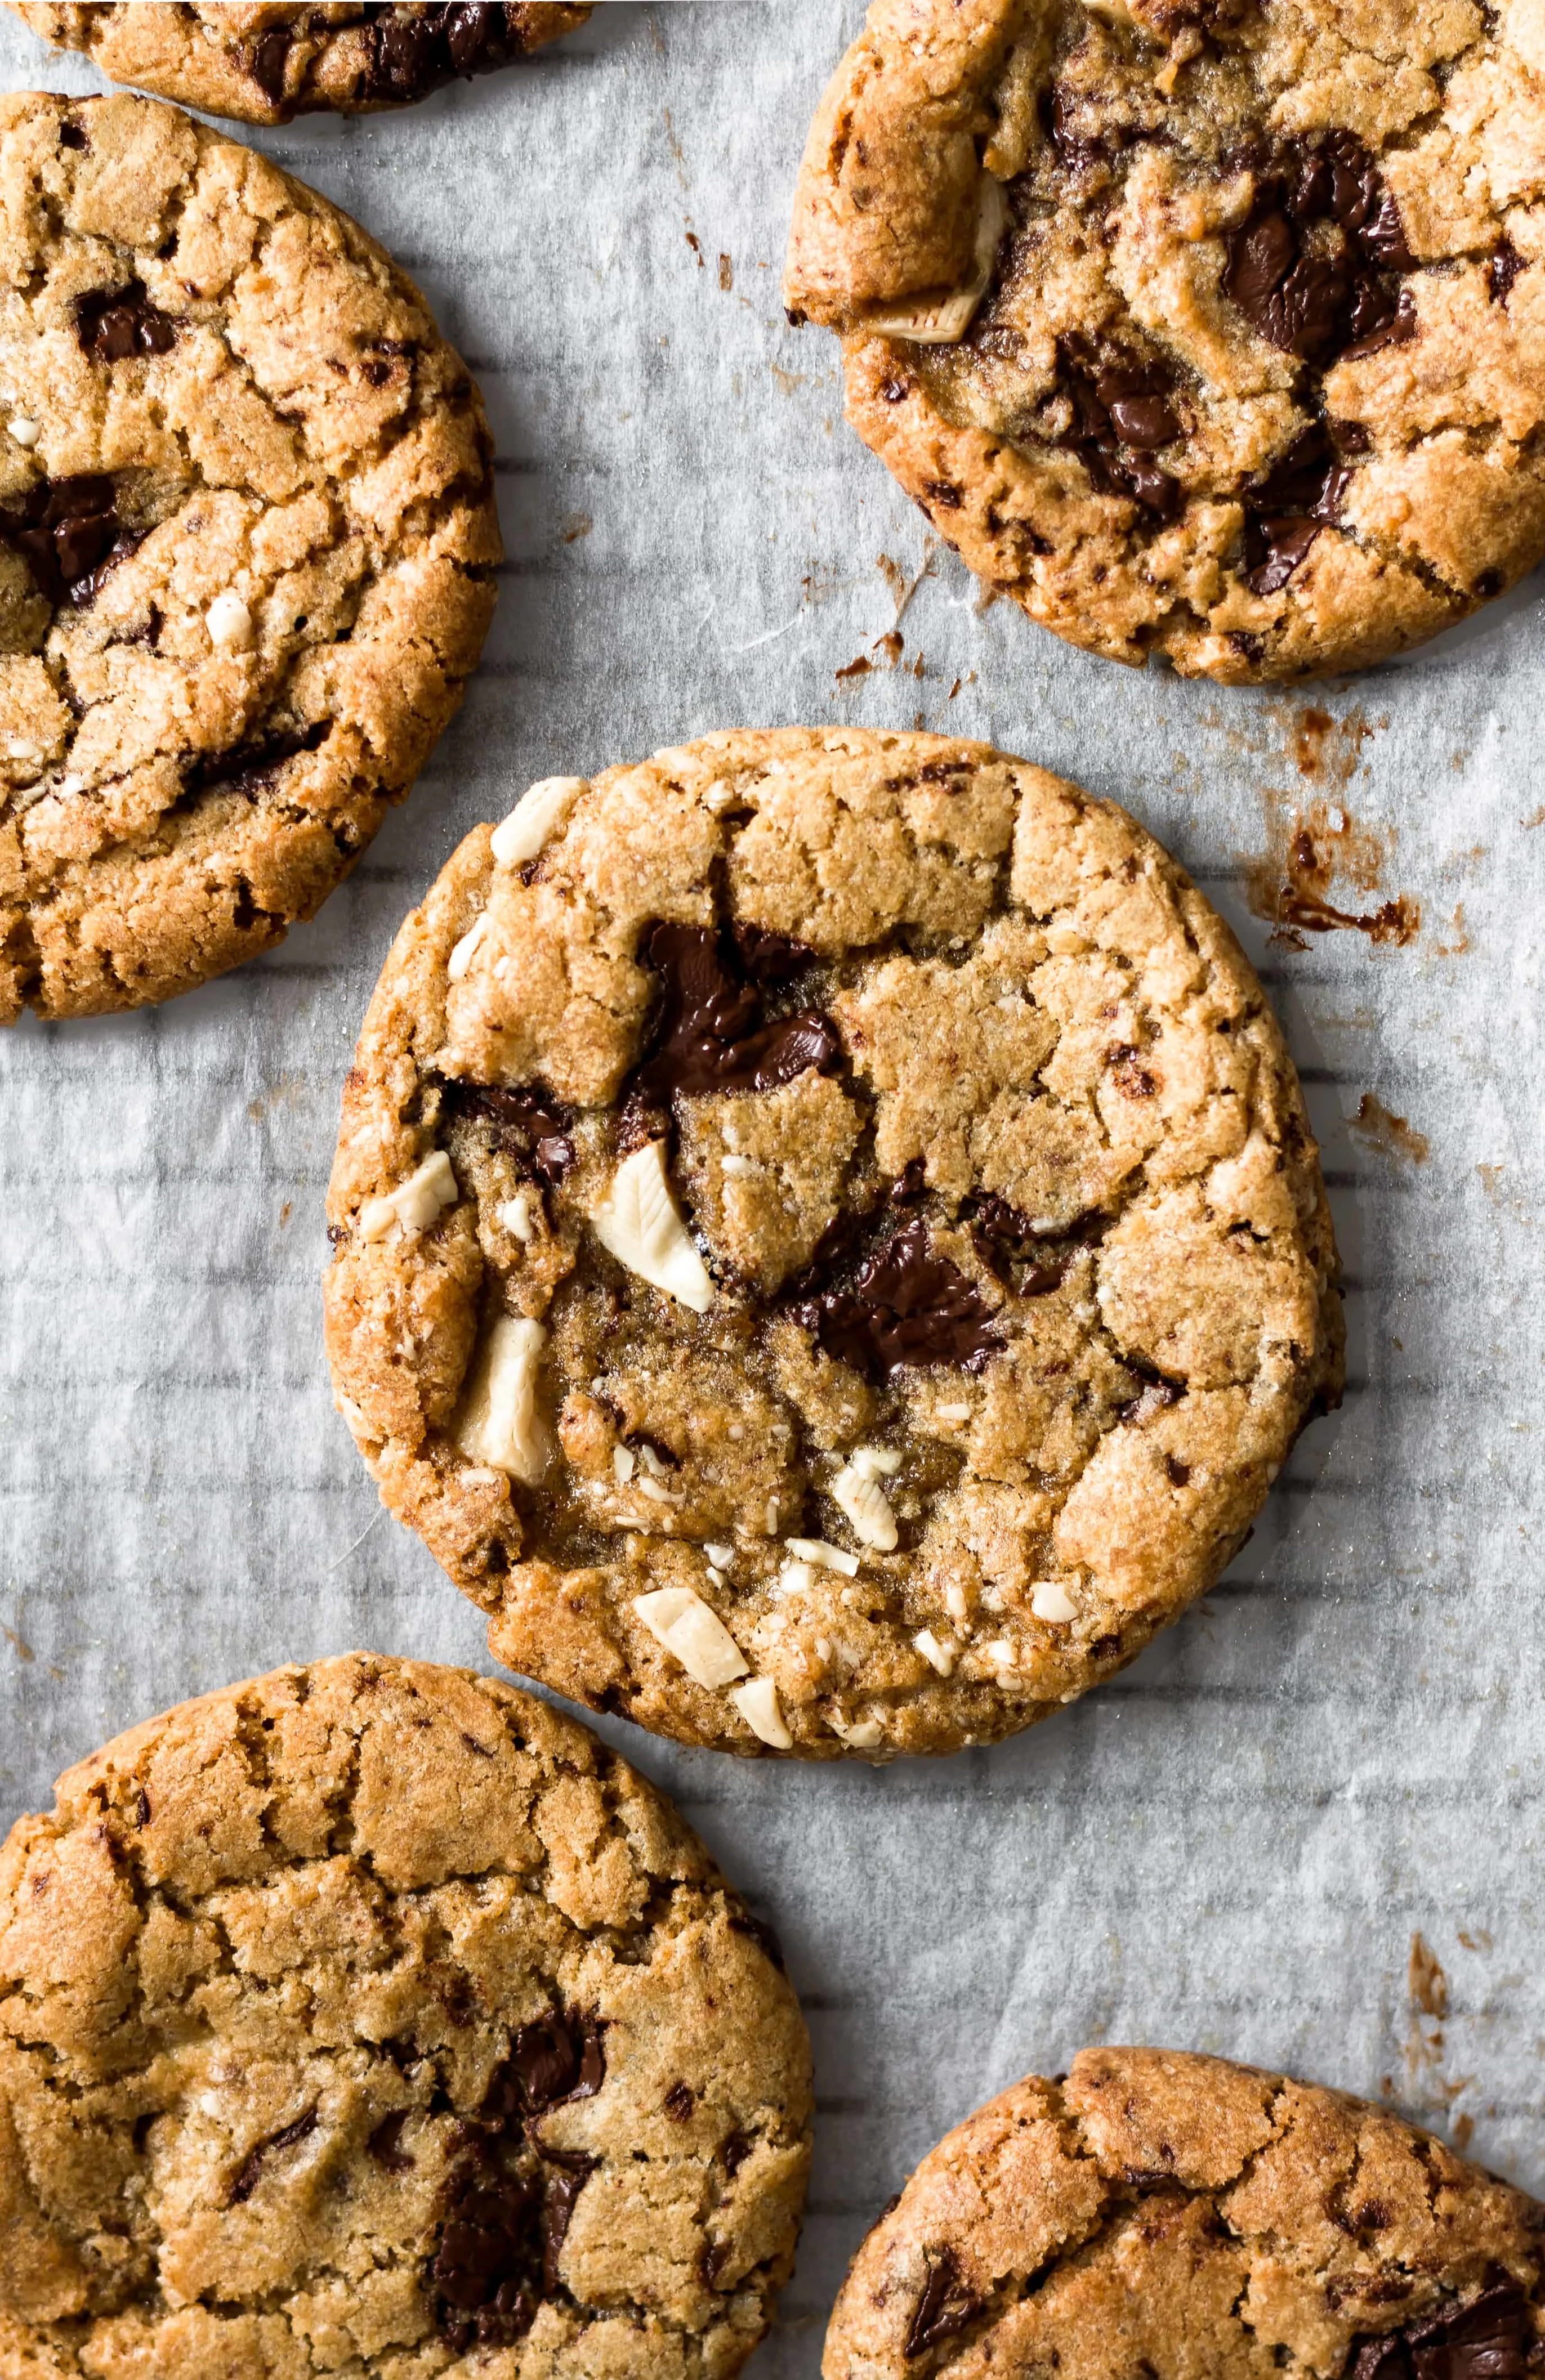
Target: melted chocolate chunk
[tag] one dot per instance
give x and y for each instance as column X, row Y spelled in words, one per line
column 251, row 2175
column 246, row 768
column 907, row 1306
column 487, row 2265
column 1080, row 152
column 707, row 1037
column 1487, row 2340
column 1503, row 270
column 945, row 2309
column 1001, row 1231
column 1121, row 412
column 1284, row 513
column 558, row 2058
column 562, row 2194
column 533, row 1128
column 266, row 60
column 1312, row 302
column 67, row 529
column 113, row 324
column 408, row 57
column 767, row 957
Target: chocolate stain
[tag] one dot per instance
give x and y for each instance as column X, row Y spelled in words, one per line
column 1377, row 1127
column 727, row 272
column 1427, row 2086
column 1329, row 750
column 1289, row 885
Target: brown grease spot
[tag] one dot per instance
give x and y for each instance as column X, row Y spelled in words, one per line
column 1377, row 1127
column 1425, row 1981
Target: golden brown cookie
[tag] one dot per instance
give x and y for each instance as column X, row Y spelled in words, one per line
column 268, row 62
column 1161, row 2214
column 1207, row 328
column 371, row 2018
column 246, row 546
column 830, row 1253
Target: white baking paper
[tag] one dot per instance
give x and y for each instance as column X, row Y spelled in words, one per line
column 1234, row 1845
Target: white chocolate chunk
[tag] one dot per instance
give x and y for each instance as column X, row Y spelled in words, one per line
column 516, row 1217
column 863, row 1734
column 229, row 622
column 693, row 1634
column 465, row 949
column 793, row 1578
column 875, row 1462
column 24, row 430
column 500, row 1422
column 415, row 1204
column 722, row 1555
column 538, row 815
column 758, row 1703
column 640, row 1223
column 1000, row 1652
column 825, row 1557
column 736, row 1168
column 939, row 321
column 941, row 1657
column 621, row 1464
column 952, row 1413
column 863, row 1501
column 1050, row 1601
column 954, row 1600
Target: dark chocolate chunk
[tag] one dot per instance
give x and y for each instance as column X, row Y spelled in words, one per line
column 72, row 136
column 679, row 2102
column 907, row 1306
column 1487, row 2340
column 1306, row 299
column 734, row 2151
column 1284, row 513
column 385, row 2143
column 562, row 2195
column 408, row 57
column 247, row 768
column 1079, row 150
column 527, row 1123
column 490, row 2251
column 1503, row 270
column 767, row 957
column 557, row 2058
column 251, row 2175
column 945, row 2309
column 1392, row 323
column 1154, row 1398
column 113, row 324
column 707, row 1037
column 266, row 60
column 1121, row 411
column 67, row 529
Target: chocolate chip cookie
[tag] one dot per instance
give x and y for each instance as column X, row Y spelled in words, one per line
column 1207, row 328
column 372, row 2018
column 246, row 545
column 1153, row 2212
column 830, row 1254
column 266, row 63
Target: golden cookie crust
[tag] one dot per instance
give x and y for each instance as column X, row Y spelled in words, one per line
column 1154, row 2211
column 371, row 2017
column 246, row 545
column 1009, row 1056
column 265, row 62
column 1255, row 377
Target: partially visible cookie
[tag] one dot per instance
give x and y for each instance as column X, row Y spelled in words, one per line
column 248, row 535
column 1213, row 329
column 830, row 1252
column 371, row 2018
column 1156, row 2213
column 266, row 63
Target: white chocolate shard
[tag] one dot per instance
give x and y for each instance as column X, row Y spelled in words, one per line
column 756, row 1702
column 869, row 1515
column 693, row 1634
column 465, row 949
column 722, row 1555
column 639, row 1222
column 415, row 1204
column 516, row 1217
column 229, row 622
column 875, row 1462
column 825, row 1557
column 793, row 1578
column 500, row 1422
column 24, row 430
column 1000, row 1653
column 941, row 1656
column 539, row 814
column 939, row 321
column 863, row 1734
column 1050, row 1601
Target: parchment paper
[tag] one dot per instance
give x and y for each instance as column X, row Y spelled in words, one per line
column 1233, row 1846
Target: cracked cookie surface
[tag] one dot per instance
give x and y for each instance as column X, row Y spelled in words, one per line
column 265, row 62
column 1213, row 329
column 829, row 1250
column 1157, row 2211
column 246, row 545
column 372, row 2018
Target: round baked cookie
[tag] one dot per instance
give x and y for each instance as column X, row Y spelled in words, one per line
column 1158, row 2213
column 266, row 63
column 246, row 546
column 830, row 1253
column 1207, row 328
column 372, row 2018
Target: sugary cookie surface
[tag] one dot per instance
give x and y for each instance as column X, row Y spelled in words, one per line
column 370, row 2018
column 829, row 1250
column 266, row 63
column 1207, row 328
column 1159, row 2213
column 247, row 542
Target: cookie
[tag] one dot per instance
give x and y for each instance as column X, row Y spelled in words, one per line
column 1154, row 2212
column 246, row 546
column 372, row 2018
column 1213, row 329
column 829, row 1251
column 266, row 64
